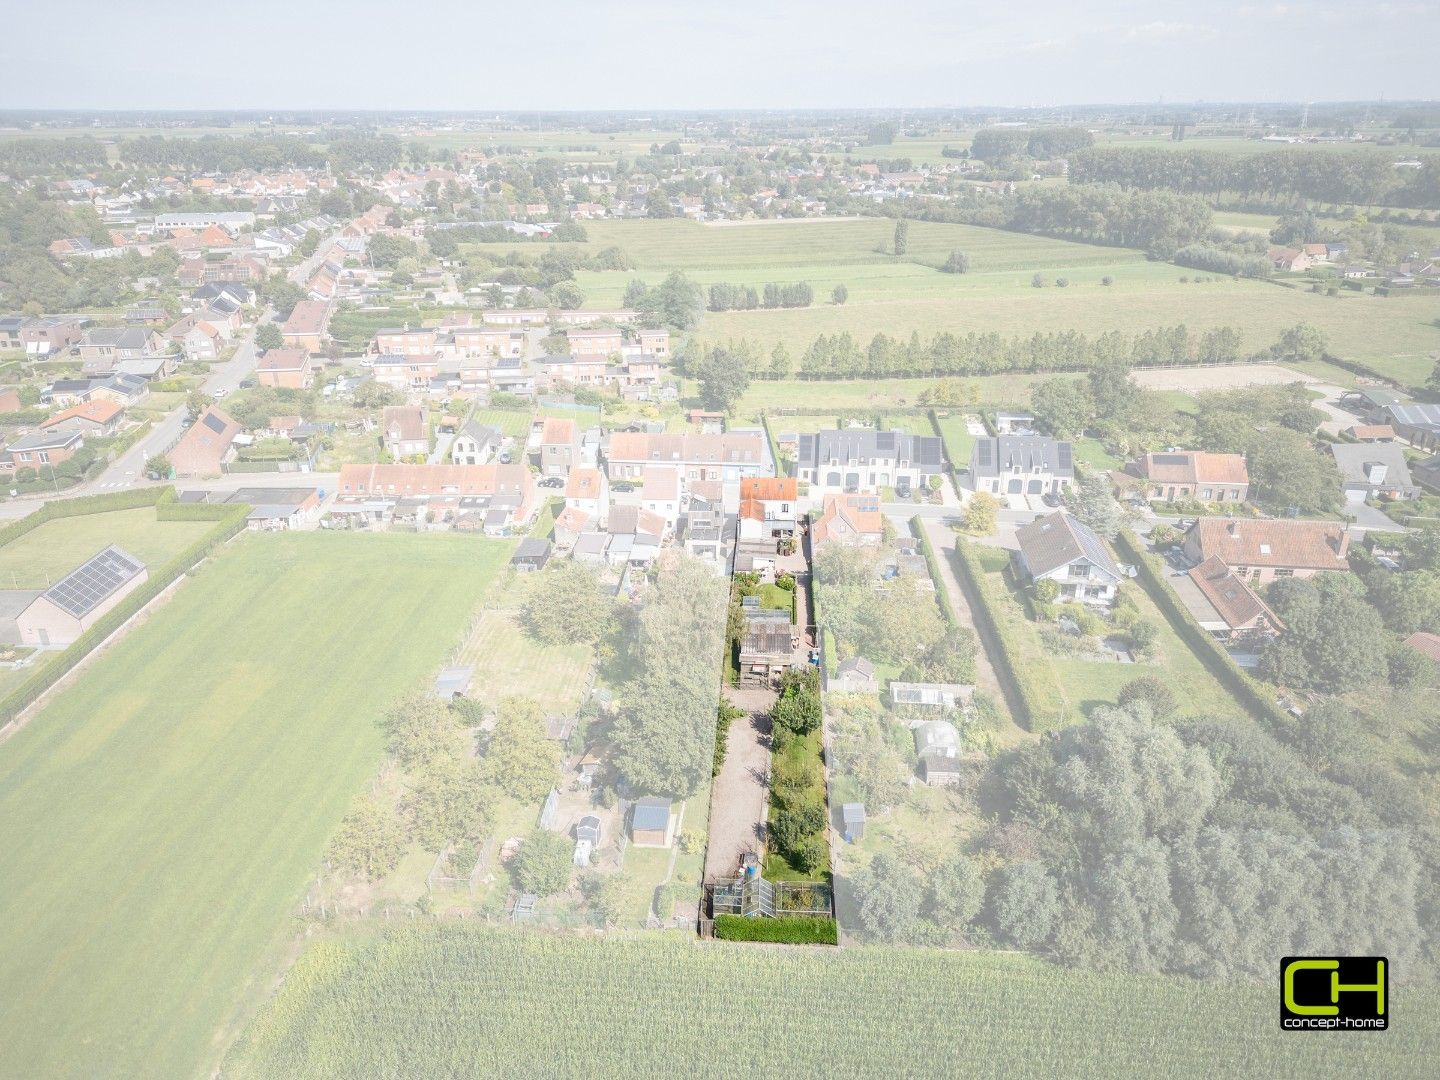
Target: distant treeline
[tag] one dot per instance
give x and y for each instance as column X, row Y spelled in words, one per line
column 995, row 145
column 1221, row 260
column 840, row 356
column 726, row 297
column 1159, row 222
column 1363, row 177
column 346, row 153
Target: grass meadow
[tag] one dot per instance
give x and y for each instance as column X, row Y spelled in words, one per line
column 163, row 814
column 900, row 295
column 422, row 1000
column 45, row 554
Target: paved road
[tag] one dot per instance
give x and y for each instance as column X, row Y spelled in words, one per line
column 301, row 272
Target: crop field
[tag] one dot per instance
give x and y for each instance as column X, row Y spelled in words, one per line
column 423, row 1001
column 163, row 815
column 808, row 398
column 897, row 296
column 44, row 555
column 507, row 661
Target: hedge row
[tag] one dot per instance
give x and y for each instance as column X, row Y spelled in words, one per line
column 789, row 930
column 942, row 594
column 1252, row 694
column 229, row 520
column 81, row 507
column 1035, row 714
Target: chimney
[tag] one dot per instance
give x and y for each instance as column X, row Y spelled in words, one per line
column 1233, row 528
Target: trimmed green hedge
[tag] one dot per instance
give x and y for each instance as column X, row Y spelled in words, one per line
column 1035, row 714
column 790, row 930
column 82, row 506
column 942, row 594
column 1254, row 695
column 229, row 520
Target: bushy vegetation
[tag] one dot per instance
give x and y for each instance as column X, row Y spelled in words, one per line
column 790, row 930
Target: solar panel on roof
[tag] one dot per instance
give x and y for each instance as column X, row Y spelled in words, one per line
column 1062, row 451
column 214, row 423
column 982, row 452
column 1171, row 459
column 85, row 588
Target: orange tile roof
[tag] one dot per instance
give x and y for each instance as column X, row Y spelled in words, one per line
column 769, row 488
column 1426, row 644
column 1373, row 431
column 558, row 431
column 1235, row 601
column 1301, row 545
column 102, row 412
column 1197, row 467
column 583, row 484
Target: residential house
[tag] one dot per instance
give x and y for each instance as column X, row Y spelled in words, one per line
column 1289, row 259
column 122, row 389
column 198, row 339
column 307, row 326
column 1231, row 610
column 406, row 341
column 599, row 341
column 1060, row 548
column 732, row 456
column 206, row 445
column 1022, row 465
column 849, row 519
column 103, row 348
column 1193, row 474
column 1373, row 471
column 475, row 444
column 559, row 446
column 101, row 418
column 572, row 370
column 768, row 506
column 588, row 491
column 405, row 431
column 45, row 446
column 482, row 341
column 431, row 481
column 404, row 372
column 1262, row 550
column 865, row 460
column 44, row 337
column 288, row 367
column 660, row 495
column 75, row 603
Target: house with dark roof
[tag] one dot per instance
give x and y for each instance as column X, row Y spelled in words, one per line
column 1374, row 470
column 532, row 554
column 475, row 444
column 63, row 612
column 1021, row 465
column 865, row 460
column 405, row 431
column 45, row 446
column 1060, row 548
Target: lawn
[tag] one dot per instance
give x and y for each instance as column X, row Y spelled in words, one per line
column 511, row 421
column 422, row 1000
column 900, row 295
column 46, row 554
column 508, row 661
column 163, row 815
column 955, row 433
column 1077, row 684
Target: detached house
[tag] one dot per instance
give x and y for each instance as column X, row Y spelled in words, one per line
column 1022, row 465
column 863, row 460
column 405, row 431
column 768, row 506
column 1374, row 470
column 285, row 367
column 1058, row 547
column 849, row 519
column 1196, row 475
column 307, row 325
column 206, row 444
column 1263, row 550
column 475, row 444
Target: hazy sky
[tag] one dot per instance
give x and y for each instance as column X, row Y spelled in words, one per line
column 644, row 54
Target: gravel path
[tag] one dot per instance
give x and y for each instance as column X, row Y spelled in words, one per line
column 741, row 791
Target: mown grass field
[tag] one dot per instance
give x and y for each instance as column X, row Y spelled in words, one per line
column 507, row 661
column 163, row 815
column 467, row 1000
column 44, row 555
column 898, row 296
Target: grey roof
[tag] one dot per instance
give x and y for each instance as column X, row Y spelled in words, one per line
column 1058, row 539
column 46, row 438
column 651, row 813
column 1415, row 413
column 854, row 445
column 128, row 337
column 483, row 434
column 452, row 681
column 1028, row 453
column 93, row 582
column 857, row 664
column 1354, row 458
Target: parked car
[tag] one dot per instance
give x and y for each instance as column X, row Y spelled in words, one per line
column 551, row 482
column 1050, row 498
column 622, row 485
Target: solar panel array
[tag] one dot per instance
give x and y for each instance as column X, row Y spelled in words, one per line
column 983, row 449
column 214, row 423
column 1170, row 459
column 1063, row 455
column 84, row 589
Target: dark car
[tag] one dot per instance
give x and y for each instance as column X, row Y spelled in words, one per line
column 552, row 482
column 1051, row 499
column 622, row 485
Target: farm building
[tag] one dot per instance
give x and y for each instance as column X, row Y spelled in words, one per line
column 76, row 602
column 650, row 823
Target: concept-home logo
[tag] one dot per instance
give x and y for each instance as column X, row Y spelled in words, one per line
column 1334, row 993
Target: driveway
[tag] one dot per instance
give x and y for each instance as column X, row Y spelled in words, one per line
column 740, row 795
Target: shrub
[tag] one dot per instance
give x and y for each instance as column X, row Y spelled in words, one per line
column 791, row 930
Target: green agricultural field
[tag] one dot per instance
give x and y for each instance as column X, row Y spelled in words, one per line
column 809, row 397
column 163, row 814
column 897, row 296
column 423, row 1001
column 46, row 554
